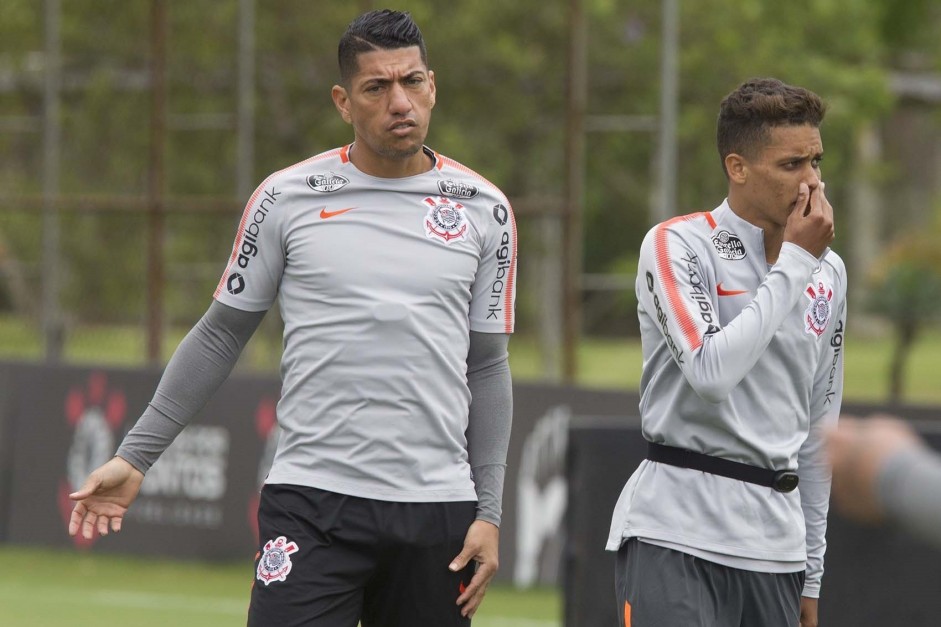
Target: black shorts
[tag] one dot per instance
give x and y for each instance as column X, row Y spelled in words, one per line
column 332, row 560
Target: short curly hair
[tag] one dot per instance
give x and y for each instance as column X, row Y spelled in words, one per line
column 747, row 114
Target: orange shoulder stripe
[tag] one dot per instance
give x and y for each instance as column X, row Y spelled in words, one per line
column 671, row 285
column 251, row 201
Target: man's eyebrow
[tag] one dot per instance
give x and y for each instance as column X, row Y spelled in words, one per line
column 803, row 156
column 386, row 79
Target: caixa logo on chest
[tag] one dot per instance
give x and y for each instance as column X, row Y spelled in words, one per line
column 445, row 220
column 457, row 189
column 326, row 183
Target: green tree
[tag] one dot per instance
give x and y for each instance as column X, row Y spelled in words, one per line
column 501, row 72
column 907, row 291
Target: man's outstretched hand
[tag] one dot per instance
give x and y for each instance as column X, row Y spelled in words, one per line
column 103, row 499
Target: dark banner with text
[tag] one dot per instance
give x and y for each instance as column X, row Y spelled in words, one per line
column 199, row 500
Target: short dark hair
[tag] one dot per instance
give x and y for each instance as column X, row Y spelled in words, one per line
column 377, row 30
column 747, row 115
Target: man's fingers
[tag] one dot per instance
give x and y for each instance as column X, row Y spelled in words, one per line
column 815, row 204
column 461, row 560
column 803, row 197
column 75, row 520
column 474, row 593
column 88, row 525
column 825, row 205
column 103, row 525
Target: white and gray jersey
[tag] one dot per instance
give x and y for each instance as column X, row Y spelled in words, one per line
column 379, row 283
column 743, row 362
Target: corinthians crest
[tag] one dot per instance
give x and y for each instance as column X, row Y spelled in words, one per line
column 818, row 311
column 275, row 562
column 445, row 220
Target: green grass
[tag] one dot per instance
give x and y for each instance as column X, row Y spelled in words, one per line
column 46, row 587
column 602, row 363
column 49, row 588
column 617, row 364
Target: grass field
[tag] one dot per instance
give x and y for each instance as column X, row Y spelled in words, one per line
column 40, row 587
column 603, row 362
column 48, row 588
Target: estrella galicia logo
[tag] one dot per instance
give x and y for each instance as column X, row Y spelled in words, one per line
column 500, row 214
column 729, row 246
column 235, row 284
column 457, row 189
column 326, row 183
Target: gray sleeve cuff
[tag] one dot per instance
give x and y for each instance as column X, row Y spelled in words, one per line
column 488, row 481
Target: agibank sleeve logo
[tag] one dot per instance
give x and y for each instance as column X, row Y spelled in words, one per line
column 246, row 241
column 684, row 296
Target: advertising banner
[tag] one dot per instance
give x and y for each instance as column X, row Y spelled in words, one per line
column 200, row 498
column 197, row 501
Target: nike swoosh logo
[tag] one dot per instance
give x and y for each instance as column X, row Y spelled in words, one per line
column 329, row 214
column 721, row 291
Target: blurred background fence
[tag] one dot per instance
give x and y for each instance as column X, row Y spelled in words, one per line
column 132, row 133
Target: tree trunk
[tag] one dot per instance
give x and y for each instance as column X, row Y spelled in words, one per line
column 11, row 273
column 905, row 333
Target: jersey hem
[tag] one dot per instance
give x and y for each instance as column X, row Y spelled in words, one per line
column 714, row 547
column 396, row 496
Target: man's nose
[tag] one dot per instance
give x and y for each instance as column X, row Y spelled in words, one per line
column 399, row 102
column 812, row 178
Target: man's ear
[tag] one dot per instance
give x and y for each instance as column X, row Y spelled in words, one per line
column 737, row 168
column 434, row 90
column 341, row 100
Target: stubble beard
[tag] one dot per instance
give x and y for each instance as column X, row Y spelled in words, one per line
column 390, row 152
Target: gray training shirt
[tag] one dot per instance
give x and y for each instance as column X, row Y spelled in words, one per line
column 743, row 362
column 379, row 283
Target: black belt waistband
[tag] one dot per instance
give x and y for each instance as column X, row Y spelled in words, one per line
column 780, row 480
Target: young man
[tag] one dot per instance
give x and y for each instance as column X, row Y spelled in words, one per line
column 394, row 268
column 742, row 314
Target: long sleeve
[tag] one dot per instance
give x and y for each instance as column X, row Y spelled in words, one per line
column 198, row 367
column 813, row 468
column 672, row 286
column 490, row 419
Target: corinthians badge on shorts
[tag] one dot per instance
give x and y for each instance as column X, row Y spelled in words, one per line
column 818, row 311
column 445, row 220
column 275, row 562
